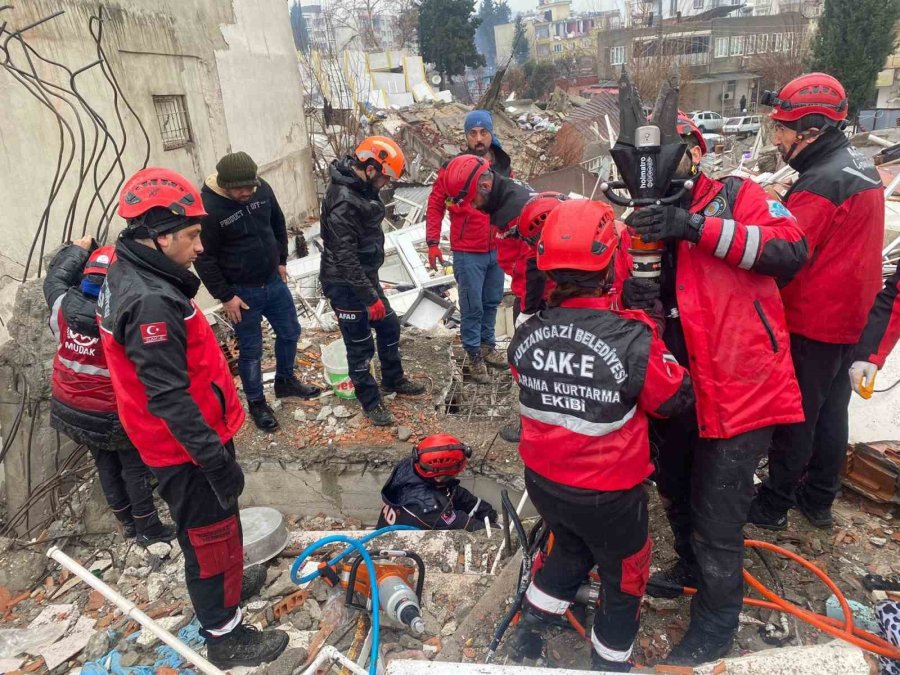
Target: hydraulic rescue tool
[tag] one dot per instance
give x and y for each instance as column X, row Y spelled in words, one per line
column 647, row 154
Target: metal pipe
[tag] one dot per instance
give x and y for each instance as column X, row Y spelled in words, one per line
column 130, row 610
column 330, row 654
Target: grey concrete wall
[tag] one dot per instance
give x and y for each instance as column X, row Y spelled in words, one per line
column 233, row 61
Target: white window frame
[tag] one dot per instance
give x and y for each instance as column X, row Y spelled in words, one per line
column 777, row 41
column 737, row 45
column 762, row 43
column 750, row 46
column 617, row 55
column 699, row 4
column 787, row 42
column 721, row 48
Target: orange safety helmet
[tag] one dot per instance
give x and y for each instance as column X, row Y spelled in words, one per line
column 385, row 153
column 440, row 455
column 535, row 212
column 579, row 235
column 461, row 176
column 810, row 94
column 100, row 260
column 153, row 187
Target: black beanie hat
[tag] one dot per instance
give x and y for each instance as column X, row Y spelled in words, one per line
column 236, row 170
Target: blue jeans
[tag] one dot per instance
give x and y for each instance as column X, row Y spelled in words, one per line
column 480, row 282
column 275, row 302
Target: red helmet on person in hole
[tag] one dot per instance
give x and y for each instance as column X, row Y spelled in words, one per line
column 535, row 212
column 154, row 187
column 461, row 178
column 810, row 94
column 440, row 455
column 579, row 235
column 100, row 260
column 686, row 127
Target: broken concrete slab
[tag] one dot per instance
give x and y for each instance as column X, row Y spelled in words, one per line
column 75, row 640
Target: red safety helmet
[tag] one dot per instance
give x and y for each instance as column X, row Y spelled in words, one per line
column 440, row 455
column 579, row 235
column 535, row 212
column 154, row 187
column 385, row 152
column 810, row 94
column 100, row 260
column 686, row 127
column 461, row 176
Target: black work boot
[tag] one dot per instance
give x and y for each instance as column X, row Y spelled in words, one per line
column 150, row 529
column 817, row 517
column 129, row 531
column 764, row 516
column 698, row 646
column 670, row 582
column 476, row 369
column 252, row 581
column 291, row 386
column 528, row 640
column 379, row 416
column 262, row 414
column 512, row 432
column 603, row 665
column 246, row 646
column 405, row 387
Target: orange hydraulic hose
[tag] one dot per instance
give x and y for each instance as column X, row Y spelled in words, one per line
column 845, row 630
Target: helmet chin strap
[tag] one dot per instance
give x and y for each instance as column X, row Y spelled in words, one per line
column 790, row 153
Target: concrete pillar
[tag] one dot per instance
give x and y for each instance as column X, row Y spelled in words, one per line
column 33, row 450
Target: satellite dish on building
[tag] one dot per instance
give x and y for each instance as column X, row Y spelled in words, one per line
column 435, row 79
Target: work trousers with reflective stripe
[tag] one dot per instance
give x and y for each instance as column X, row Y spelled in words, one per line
column 356, row 329
column 610, row 531
column 706, row 487
column 210, row 539
column 125, row 480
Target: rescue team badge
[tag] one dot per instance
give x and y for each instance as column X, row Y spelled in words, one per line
column 778, row 210
column 715, row 207
column 154, row 332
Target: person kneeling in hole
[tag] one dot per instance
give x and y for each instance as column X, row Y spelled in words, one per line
column 589, row 376
column 423, row 490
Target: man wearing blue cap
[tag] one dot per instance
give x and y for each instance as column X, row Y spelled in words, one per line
column 473, row 241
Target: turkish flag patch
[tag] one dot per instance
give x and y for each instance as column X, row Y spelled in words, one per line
column 154, row 332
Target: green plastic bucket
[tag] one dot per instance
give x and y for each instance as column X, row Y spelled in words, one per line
column 334, row 361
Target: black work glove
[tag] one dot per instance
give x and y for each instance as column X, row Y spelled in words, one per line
column 640, row 293
column 665, row 223
column 226, row 480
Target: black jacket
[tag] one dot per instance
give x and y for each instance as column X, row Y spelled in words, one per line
column 410, row 499
column 352, row 237
column 508, row 197
column 101, row 430
column 243, row 244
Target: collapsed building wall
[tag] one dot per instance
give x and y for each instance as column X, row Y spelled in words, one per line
column 181, row 84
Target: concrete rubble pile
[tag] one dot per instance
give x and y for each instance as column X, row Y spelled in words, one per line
column 56, row 623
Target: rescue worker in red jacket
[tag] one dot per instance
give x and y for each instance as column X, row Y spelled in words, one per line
column 83, row 406
column 724, row 246
column 838, row 200
column 475, row 250
column 588, row 378
column 470, row 184
column 177, row 401
column 423, row 490
column 878, row 339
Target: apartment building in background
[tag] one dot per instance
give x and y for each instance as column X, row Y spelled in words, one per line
column 722, row 59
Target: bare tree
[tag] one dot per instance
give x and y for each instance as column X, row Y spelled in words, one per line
column 782, row 62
